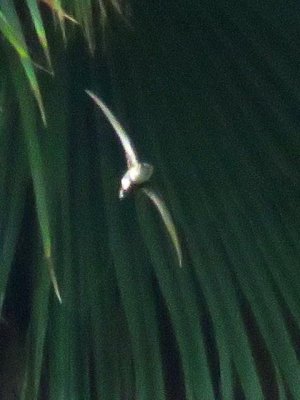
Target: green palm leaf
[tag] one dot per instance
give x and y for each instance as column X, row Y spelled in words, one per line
column 11, row 28
column 210, row 97
column 39, row 27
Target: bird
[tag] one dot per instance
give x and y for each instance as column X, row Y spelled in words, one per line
column 137, row 174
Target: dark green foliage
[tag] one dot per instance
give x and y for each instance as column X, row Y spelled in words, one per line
column 209, row 94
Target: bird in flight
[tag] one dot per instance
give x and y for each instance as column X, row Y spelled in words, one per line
column 137, row 174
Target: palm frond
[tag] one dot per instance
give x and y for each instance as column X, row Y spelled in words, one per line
column 13, row 174
column 30, row 128
column 209, row 97
column 11, row 29
column 39, row 27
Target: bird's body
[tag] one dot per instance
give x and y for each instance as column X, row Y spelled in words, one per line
column 137, row 174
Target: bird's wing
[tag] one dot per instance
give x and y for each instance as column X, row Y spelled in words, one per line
column 53, row 279
column 120, row 131
column 167, row 219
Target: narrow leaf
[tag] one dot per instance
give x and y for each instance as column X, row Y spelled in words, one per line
column 11, row 29
column 39, row 27
column 55, row 6
column 28, row 117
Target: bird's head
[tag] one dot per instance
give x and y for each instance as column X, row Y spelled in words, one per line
column 126, row 186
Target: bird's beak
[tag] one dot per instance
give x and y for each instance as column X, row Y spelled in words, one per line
column 121, row 194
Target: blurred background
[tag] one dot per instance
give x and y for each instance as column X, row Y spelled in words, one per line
column 209, row 93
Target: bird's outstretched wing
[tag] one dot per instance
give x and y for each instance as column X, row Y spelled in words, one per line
column 120, row 131
column 53, row 279
column 167, row 219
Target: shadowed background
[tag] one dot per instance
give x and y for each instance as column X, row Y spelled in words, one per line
column 209, row 94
